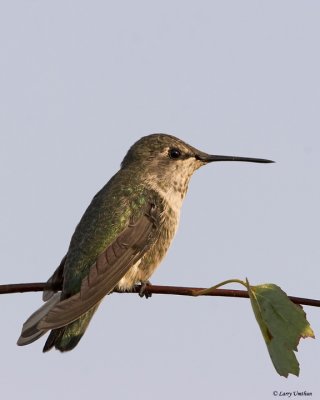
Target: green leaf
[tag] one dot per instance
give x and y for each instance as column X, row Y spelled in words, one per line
column 282, row 324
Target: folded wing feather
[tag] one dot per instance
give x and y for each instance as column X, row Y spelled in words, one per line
column 105, row 273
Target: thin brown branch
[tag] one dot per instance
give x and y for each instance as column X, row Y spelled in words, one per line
column 154, row 289
column 26, row 287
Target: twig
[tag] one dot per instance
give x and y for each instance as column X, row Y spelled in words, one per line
column 154, row 289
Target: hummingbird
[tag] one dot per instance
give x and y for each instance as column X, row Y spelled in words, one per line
column 121, row 239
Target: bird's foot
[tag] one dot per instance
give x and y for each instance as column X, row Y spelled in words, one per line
column 143, row 292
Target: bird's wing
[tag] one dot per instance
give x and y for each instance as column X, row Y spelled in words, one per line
column 110, row 266
column 56, row 280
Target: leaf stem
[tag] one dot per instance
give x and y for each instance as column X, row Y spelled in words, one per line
column 207, row 291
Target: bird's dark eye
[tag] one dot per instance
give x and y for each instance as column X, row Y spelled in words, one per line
column 174, row 153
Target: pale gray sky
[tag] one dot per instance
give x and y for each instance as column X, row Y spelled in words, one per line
column 80, row 82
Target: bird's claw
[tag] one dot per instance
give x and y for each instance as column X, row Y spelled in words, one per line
column 143, row 292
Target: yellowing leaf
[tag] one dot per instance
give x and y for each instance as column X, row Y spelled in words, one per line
column 282, row 324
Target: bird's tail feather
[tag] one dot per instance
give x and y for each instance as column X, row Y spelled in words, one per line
column 64, row 338
column 67, row 337
column 30, row 332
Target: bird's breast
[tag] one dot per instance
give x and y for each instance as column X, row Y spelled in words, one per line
column 142, row 270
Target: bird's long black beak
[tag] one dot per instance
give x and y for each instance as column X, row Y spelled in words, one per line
column 212, row 158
